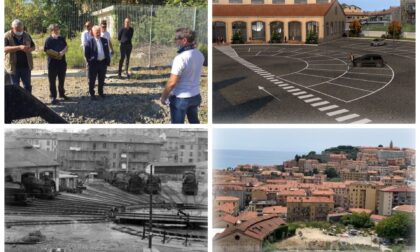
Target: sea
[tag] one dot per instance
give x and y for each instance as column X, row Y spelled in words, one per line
column 223, row 159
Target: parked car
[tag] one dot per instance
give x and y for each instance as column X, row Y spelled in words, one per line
column 378, row 42
column 369, row 60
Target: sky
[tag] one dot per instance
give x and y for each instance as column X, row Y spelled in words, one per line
column 372, row 5
column 305, row 140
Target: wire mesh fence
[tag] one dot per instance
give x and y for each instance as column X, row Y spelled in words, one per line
column 154, row 28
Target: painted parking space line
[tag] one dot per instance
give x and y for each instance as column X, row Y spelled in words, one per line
column 347, row 117
column 337, row 112
column 340, row 114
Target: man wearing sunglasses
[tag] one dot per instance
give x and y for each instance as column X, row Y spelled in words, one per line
column 182, row 91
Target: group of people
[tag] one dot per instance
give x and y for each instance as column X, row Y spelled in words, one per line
column 181, row 93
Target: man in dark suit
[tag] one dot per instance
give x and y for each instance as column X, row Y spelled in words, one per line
column 98, row 58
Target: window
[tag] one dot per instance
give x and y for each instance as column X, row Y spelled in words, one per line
column 48, row 142
column 190, row 160
column 215, row 1
column 113, row 164
column 278, row 1
column 301, row 1
column 182, row 147
column 94, row 146
column 104, row 145
column 257, row 1
column 114, row 155
column 191, row 154
column 321, row 1
column 115, row 145
column 235, row 1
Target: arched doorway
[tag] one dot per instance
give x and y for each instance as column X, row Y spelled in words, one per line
column 312, row 32
column 239, row 27
column 295, row 31
column 258, row 30
column 219, row 32
column 277, row 28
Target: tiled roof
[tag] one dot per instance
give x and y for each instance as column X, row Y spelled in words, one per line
column 228, row 208
column 18, row 154
column 226, row 198
column 271, row 10
column 405, row 208
column 229, row 219
column 247, row 215
column 275, row 210
column 377, row 217
column 258, row 228
column 319, row 192
column 360, row 210
column 299, row 192
column 309, row 200
column 403, row 188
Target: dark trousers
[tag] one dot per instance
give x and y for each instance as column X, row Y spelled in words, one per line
column 23, row 74
column 96, row 69
column 54, row 71
column 125, row 51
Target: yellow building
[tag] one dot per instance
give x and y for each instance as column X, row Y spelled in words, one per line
column 364, row 194
column 309, row 208
column 293, row 20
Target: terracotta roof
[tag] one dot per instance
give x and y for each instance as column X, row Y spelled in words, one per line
column 299, row 192
column 258, row 228
column 392, row 177
column 275, row 210
column 247, row 215
column 18, row 154
column 360, row 210
column 310, row 199
column 228, row 208
column 320, row 192
column 403, row 188
column 226, row 198
column 271, row 10
column 229, row 219
column 377, row 217
column 405, row 208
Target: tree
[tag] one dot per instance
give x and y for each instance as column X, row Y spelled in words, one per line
column 395, row 29
column 315, row 171
column 355, row 28
column 380, row 146
column 331, row 172
column 399, row 225
column 358, row 220
column 297, row 157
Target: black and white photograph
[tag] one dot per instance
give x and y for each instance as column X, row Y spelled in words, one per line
column 106, row 189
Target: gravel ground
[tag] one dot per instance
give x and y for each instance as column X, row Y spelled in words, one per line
column 90, row 237
column 134, row 100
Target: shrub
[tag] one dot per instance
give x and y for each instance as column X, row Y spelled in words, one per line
column 275, row 37
column 312, row 38
column 395, row 29
column 237, row 37
column 74, row 55
column 355, row 28
column 203, row 50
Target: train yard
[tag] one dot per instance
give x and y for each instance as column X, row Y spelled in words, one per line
column 102, row 205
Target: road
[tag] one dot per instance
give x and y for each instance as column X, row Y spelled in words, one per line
column 313, row 84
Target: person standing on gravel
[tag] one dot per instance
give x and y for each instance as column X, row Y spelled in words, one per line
column 125, row 36
column 183, row 86
column 86, row 35
column 56, row 48
column 18, row 61
column 97, row 58
column 107, row 35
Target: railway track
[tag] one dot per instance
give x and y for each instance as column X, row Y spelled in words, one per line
column 163, row 233
column 55, row 222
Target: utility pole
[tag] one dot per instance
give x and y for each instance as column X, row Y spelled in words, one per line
column 150, row 206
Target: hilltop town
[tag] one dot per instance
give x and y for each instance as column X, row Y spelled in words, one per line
column 336, row 190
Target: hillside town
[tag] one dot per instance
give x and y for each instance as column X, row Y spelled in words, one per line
column 254, row 205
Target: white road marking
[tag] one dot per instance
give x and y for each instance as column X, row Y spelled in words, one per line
column 258, row 53
column 313, row 75
column 347, row 117
column 274, row 81
column 289, row 87
column 293, row 90
column 363, row 121
column 313, row 99
column 328, row 108
column 341, row 85
column 319, row 103
column 305, row 96
column 382, row 82
column 278, row 82
column 300, row 93
column 283, row 85
column 337, row 112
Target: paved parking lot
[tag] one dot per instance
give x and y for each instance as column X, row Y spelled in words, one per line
column 313, row 84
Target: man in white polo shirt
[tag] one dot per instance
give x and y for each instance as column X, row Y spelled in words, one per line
column 182, row 90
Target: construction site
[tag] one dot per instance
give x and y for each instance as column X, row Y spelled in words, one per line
column 152, row 205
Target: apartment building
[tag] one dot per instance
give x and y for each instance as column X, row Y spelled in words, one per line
column 309, row 208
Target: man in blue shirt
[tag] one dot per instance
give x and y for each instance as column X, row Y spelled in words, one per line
column 56, row 47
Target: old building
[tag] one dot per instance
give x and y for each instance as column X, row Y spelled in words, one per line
column 249, row 236
column 363, row 194
column 22, row 159
column 292, row 20
column 85, row 153
column 309, row 208
column 226, row 205
column 408, row 11
column 392, row 196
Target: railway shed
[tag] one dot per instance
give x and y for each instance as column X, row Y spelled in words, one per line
column 22, row 159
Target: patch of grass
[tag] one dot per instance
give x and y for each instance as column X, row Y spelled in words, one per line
column 409, row 28
column 74, row 55
column 374, row 27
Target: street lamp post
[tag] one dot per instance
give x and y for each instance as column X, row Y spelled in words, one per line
column 150, row 206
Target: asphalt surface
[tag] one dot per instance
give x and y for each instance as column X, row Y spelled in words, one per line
column 313, row 84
